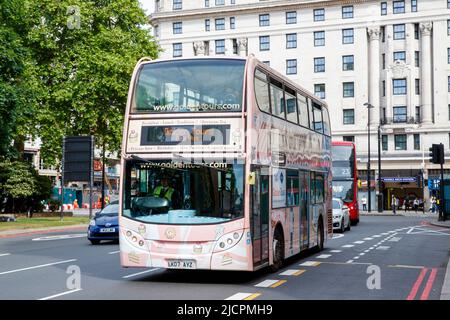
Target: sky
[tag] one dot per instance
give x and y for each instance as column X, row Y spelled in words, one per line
column 148, row 5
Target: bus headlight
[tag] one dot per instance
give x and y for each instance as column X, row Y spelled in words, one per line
column 228, row 241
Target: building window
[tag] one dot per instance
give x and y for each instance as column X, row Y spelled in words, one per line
column 384, row 8
column 399, row 6
column 448, row 55
column 220, row 46
column 319, row 38
column 233, row 2
column 383, row 60
column 347, row 36
column 399, row 86
column 417, row 59
column 348, row 63
column 349, row 89
column 399, row 31
column 349, row 116
column 319, row 14
column 400, row 114
column 347, row 12
column 177, row 50
column 413, row 5
column 383, row 88
column 400, row 55
column 417, row 142
column 319, row 64
column 449, row 112
column 206, row 3
column 348, row 138
column 291, row 17
column 319, row 90
column 264, row 20
column 220, row 24
column 235, row 46
column 207, row 25
column 400, row 141
column 177, row 4
column 220, row 2
column 384, row 142
column 291, row 66
column 177, row 27
column 416, row 31
column 448, row 27
column 232, row 23
column 291, row 41
column 448, row 4
column 417, row 85
column 448, row 82
column 418, row 115
column 264, row 43
column 383, row 33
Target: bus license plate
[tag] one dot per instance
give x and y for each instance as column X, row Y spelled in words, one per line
column 108, row 230
column 181, row 264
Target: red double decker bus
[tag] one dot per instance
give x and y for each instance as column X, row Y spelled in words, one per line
column 345, row 176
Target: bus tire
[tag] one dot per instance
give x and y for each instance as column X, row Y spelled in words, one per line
column 278, row 250
column 320, row 236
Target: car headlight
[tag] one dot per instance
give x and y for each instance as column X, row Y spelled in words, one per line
column 92, row 223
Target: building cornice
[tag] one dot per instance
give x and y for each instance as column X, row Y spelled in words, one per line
column 259, row 7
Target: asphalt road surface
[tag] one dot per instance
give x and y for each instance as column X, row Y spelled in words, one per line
column 382, row 258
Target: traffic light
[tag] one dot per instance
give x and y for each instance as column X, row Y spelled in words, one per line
column 437, row 154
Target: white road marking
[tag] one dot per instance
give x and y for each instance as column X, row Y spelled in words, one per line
column 348, row 246
column 395, row 239
column 310, row 264
column 362, row 253
column 324, row 256
column 139, row 273
column 61, row 294
column 239, row 296
column 292, row 272
column 367, row 239
column 4, row 254
column 337, row 236
column 113, row 252
column 367, row 251
column 356, row 258
column 36, row 267
column 383, row 248
column 359, row 242
column 60, row 237
column 335, row 251
column 376, row 236
column 349, row 261
column 266, row 283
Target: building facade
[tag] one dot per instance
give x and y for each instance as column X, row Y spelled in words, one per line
column 391, row 56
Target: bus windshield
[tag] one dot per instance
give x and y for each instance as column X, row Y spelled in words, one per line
column 343, row 190
column 176, row 193
column 205, row 85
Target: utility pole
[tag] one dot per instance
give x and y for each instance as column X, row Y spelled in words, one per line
column 380, row 194
column 369, row 106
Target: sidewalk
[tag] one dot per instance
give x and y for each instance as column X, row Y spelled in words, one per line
column 399, row 213
column 27, row 232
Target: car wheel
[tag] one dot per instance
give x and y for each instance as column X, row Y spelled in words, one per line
column 342, row 226
column 94, row 242
column 349, row 225
column 278, row 251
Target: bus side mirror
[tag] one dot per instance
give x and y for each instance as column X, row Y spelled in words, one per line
column 251, row 179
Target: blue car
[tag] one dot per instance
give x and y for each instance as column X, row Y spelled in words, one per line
column 105, row 224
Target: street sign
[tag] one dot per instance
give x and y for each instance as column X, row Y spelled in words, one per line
column 78, row 158
column 399, row 179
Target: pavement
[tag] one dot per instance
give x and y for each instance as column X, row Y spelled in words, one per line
column 382, row 258
column 25, row 232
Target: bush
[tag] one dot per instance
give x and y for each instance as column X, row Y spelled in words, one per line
column 54, row 204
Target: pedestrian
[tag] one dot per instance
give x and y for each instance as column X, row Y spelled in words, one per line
column 432, row 204
column 364, row 203
column 394, row 203
column 416, row 204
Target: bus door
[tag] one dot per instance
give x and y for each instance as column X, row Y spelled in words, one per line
column 304, row 205
column 260, row 215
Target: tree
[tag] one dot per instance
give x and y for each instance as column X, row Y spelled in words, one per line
column 84, row 53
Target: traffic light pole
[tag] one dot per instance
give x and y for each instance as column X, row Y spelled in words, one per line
column 442, row 202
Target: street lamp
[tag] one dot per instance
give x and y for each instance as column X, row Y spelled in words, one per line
column 369, row 106
column 380, row 195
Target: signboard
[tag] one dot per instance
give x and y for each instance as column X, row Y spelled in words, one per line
column 78, row 155
column 434, row 184
column 279, row 188
column 399, row 179
column 185, row 135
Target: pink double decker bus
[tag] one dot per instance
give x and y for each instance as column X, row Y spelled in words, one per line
column 226, row 166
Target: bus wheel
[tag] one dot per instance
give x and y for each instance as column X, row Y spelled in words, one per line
column 320, row 236
column 278, row 250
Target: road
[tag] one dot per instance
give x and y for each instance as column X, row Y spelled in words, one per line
column 410, row 255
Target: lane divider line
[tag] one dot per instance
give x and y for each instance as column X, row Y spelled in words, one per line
column 242, row 296
column 113, row 252
column 279, row 283
column 417, row 284
column 310, row 264
column 324, row 256
column 292, row 272
column 60, row 294
column 252, row 296
column 429, row 285
column 4, row 254
column 36, row 267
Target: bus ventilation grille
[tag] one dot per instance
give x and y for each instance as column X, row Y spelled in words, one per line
column 330, row 221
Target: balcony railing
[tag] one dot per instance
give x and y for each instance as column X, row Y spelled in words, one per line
column 400, row 120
